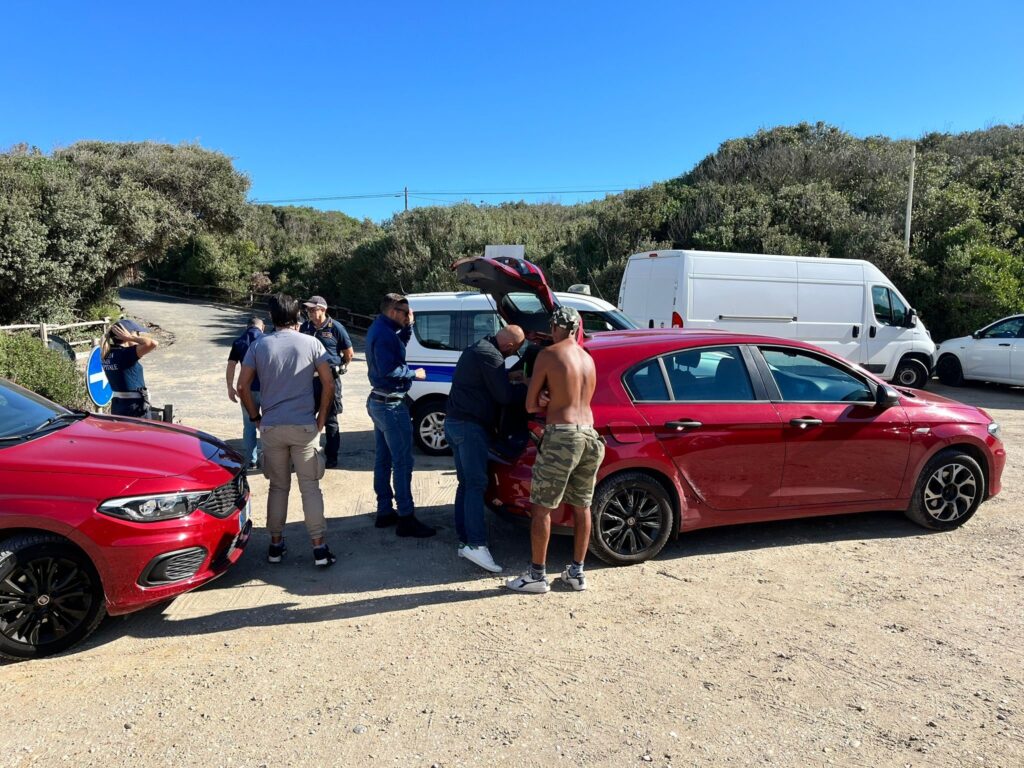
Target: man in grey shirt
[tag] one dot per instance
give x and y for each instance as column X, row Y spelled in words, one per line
column 289, row 427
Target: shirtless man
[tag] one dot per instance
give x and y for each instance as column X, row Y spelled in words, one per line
column 570, row 452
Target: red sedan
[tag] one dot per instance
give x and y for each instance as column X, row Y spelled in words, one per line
column 102, row 514
column 705, row 428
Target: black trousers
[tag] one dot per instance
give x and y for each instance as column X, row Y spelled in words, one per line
column 135, row 406
column 332, row 429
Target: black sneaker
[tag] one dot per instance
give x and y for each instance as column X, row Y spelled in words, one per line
column 323, row 557
column 276, row 552
column 410, row 526
column 385, row 521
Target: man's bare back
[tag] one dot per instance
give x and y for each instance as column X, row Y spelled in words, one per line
column 566, row 373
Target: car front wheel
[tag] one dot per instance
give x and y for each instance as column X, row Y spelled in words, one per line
column 949, row 491
column 428, row 428
column 951, row 373
column 912, row 373
column 632, row 519
column 50, row 596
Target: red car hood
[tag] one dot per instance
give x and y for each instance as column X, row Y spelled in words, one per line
column 917, row 402
column 114, row 447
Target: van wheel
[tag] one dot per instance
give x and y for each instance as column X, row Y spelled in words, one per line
column 951, row 373
column 50, row 596
column 632, row 519
column 948, row 492
column 912, row 373
column 428, row 428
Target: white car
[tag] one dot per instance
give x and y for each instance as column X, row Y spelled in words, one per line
column 447, row 323
column 994, row 353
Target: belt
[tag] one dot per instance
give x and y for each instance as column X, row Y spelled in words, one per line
column 388, row 398
column 127, row 395
column 569, row 427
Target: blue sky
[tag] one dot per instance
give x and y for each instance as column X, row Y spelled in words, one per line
column 316, row 99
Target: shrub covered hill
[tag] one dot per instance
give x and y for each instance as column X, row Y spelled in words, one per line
column 74, row 223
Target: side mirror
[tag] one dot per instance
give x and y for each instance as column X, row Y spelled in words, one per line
column 886, row 397
column 976, row 335
column 911, row 318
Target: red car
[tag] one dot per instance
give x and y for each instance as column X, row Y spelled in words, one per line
column 103, row 514
column 705, row 428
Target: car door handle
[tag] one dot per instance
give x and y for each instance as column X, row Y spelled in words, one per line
column 856, row 331
column 679, row 426
column 872, row 331
column 805, row 422
column 1007, row 344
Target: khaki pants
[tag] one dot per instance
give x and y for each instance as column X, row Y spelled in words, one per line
column 285, row 446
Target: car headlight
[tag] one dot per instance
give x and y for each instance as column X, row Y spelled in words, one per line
column 147, row 509
column 993, row 429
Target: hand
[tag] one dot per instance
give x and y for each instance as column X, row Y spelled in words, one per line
column 121, row 334
column 232, row 394
column 409, row 318
column 419, row 374
column 321, row 422
column 517, row 377
column 544, row 398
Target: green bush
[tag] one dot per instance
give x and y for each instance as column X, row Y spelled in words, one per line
column 28, row 363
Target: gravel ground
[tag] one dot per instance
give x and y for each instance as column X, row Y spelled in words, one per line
column 857, row 640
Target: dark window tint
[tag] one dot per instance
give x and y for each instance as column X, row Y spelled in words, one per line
column 1008, row 329
column 713, row 374
column 481, row 325
column 646, row 383
column 803, row 377
column 880, row 298
column 435, row 330
column 899, row 310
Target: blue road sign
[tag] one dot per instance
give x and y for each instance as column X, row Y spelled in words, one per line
column 96, row 379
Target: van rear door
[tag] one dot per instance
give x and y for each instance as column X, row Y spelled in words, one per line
column 650, row 289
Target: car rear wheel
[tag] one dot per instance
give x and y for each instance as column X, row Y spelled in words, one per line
column 949, row 491
column 632, row 519
column 428, row 428
column 50, row 596
column 951, row 373
column 911, row 372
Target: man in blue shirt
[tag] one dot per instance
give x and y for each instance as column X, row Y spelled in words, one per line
column 391, row 378
column 238, row 349
column 336, row 341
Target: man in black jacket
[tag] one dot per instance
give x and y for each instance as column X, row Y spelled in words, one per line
column 480, row 387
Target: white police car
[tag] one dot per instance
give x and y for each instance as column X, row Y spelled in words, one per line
column 447, row 323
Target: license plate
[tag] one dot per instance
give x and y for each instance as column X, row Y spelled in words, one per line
column 243, row 516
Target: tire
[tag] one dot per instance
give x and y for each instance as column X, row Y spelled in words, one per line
column 951, row 373
column 50, row 596
column 912, row 373
column 428, row 428
column 948, row 492
column 632, row 517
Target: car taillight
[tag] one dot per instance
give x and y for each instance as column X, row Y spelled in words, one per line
column 677, row 321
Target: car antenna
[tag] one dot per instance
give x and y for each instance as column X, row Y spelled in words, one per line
column 596, row 286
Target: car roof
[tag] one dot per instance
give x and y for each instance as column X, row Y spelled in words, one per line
column 473, row 299
column 648, row 341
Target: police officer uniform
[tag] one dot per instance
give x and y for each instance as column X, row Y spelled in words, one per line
column 335, row 339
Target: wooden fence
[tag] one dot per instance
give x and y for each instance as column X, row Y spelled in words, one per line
column 45, row 330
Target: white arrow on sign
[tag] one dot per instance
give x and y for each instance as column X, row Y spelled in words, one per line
column 100, row 377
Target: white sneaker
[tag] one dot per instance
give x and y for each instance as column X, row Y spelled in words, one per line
column 479, row 556
column 579, row 583
column 526, row 583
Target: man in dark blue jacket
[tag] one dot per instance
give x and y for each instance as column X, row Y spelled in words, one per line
column 390, row 379
column 480, row 387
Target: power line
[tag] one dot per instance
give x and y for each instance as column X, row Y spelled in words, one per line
column 421, row 193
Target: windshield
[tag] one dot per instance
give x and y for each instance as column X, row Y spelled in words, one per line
column 22, row 411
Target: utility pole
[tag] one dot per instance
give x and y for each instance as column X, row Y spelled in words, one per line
column 910, row 202
column 407, row 194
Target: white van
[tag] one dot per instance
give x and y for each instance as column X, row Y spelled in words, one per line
column 447, row 323
column 846, row 306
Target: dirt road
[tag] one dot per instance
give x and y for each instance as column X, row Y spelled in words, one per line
column 858, row 640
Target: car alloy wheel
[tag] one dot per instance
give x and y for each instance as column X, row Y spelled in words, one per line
column 632, row 519
column 911, row 373
column 50, row 596
column 429, row 429
column 949, row 490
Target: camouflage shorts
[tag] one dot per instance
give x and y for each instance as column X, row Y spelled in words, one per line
column 566, row 466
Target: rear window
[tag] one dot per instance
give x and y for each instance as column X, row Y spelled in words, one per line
column 709, row 375
column 435, row 330
column 647, row 383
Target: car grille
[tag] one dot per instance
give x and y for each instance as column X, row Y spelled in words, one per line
column 173, row 566
column 227, row 498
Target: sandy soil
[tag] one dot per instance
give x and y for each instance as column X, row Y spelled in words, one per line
column 857, row 640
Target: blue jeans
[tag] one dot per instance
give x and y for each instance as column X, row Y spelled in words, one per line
column 469, row 444
column 249, row 451
column 392, row 432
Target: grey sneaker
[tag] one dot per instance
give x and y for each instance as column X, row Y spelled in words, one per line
column 479, row 556
column 527, row 583
column 577, row 581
